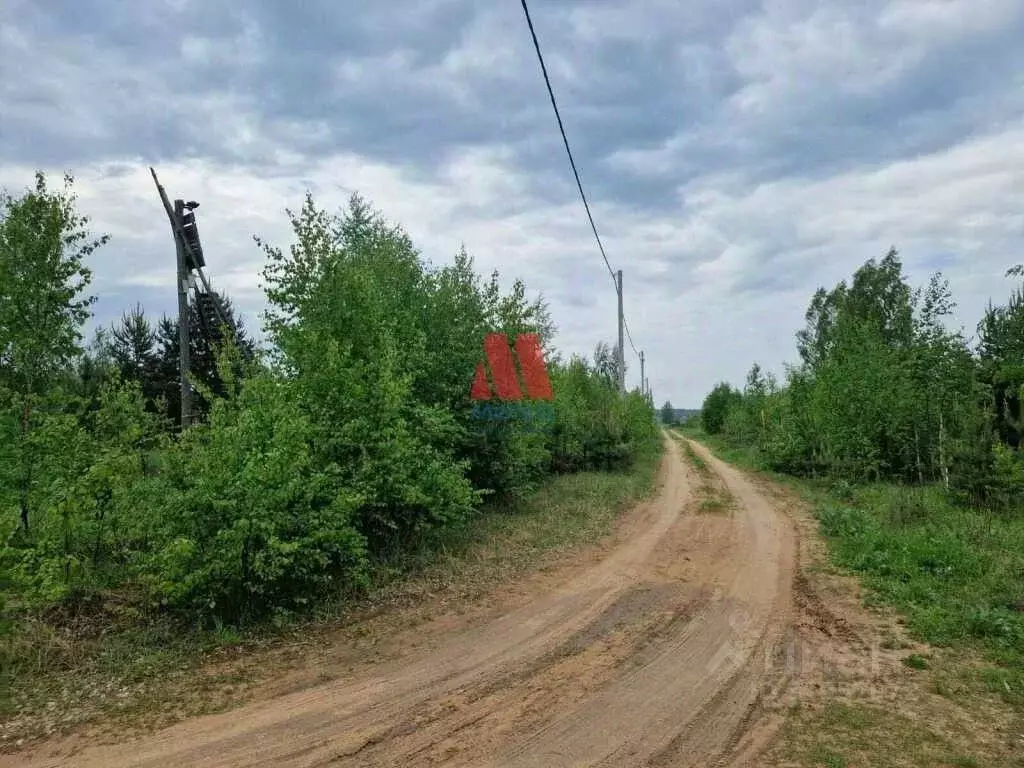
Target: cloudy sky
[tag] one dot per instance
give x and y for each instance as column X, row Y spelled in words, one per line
column 737, row 154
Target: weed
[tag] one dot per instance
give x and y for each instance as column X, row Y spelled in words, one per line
column 915, row 661
column 695, row 458
column 712, row 505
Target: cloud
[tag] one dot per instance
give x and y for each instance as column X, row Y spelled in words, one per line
column 737, row 154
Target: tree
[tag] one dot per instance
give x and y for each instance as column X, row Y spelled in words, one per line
column 885, row 390
column 43, row 302
column 606, row 362
column 131, row 346
column 206, row 340
column 715, row 410
column 668, row 414
column 347, row 309
column 878, row 296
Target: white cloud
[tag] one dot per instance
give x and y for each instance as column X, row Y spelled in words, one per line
column 948, row 19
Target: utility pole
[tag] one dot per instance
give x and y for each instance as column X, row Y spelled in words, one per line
column 622, row 352
column 190, row 262
column 643, row 379
column 176, row 217
column 184, row 362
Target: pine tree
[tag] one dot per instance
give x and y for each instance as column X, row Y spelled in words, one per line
column 205, row 339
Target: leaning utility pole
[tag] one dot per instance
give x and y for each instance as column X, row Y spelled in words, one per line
column 622, row 352
column 175, row 215
column 184, row 361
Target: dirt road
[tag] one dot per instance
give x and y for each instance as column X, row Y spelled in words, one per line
column 660, row 654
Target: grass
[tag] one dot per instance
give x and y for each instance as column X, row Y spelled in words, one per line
column 957, row 575
column 159, row 672
column 844, row 735
column 695, row 458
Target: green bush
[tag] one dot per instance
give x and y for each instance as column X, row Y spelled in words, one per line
column 595, row 427
column 354, row 438
column 717, row 407
column 249, row 518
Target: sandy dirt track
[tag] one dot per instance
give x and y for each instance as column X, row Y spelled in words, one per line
column 663, row 653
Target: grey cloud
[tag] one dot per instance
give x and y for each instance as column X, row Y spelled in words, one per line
column 737, row 154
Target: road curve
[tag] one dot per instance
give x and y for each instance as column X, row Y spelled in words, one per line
column 660, row 654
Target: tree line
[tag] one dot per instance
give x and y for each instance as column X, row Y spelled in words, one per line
column 349, row 435
column 884, row 389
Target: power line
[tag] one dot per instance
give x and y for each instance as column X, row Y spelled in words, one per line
column 629, row 336
column 624, row 325
column 565, row 139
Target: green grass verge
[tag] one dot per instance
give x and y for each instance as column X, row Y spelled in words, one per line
column 955, row 574
column 63, row 676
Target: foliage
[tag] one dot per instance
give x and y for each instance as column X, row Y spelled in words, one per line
column 884, row 390
column 919, row 438
column 354, row 440
column 43, row 245
column 595, row 427
column 717, row 406
column 668, row 414
column 91, row 463
column 251, row 520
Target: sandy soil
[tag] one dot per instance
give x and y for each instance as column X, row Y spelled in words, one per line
column 672, row 648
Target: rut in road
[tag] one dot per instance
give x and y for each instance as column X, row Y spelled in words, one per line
column 657, row 655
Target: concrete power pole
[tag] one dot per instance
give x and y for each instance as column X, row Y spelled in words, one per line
column 622, row 352
column 184, row 361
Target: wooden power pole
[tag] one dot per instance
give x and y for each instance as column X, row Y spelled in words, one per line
column 184, row 357
column 174, row 215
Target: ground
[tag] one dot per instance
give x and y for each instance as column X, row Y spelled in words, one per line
column 707, row 629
